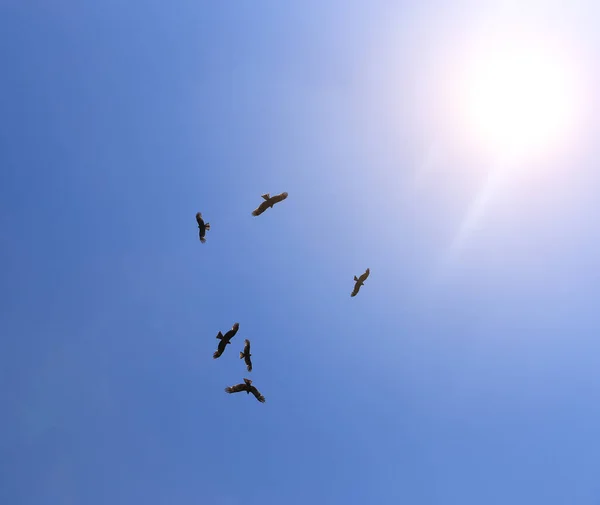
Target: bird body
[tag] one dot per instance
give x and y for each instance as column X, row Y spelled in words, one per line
column 248, row 387
column 269, row 201
column 245, row 355
column 202, row 226
column 359, row 282
column 225, row 339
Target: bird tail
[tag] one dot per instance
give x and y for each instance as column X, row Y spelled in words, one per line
column 355, row 278
column 203, row 240
column 266, row 196
column 207, row 226
column 241, row 355
column 219, row 335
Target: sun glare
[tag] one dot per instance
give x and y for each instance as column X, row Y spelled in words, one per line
column 519, row 98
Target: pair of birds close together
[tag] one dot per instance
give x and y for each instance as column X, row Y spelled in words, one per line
column 269, row 201
column 247, row 386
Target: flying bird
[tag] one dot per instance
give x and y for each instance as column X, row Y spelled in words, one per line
column 248, row 387
column 204, row 227
column 245, row 355
column 269, row 202
column 225, row 339
column 360, row 281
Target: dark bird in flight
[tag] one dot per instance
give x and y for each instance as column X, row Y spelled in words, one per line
column 359, row 282
column 248, row 387
column 225, row 339
column 204, row 227
column 269, row 202
column 246, row 355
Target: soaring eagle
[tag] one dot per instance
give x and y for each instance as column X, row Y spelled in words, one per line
column 360, row 281
column 204, row 227
column 225, row 339
column 269, row 202
column 246, row 355
column 248, row 387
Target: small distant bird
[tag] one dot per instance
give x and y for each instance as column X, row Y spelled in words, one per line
column 225, row 339
column 360, row 281
column 204, row 227
column 248, row 387
column 245, row 355
column 269, row 202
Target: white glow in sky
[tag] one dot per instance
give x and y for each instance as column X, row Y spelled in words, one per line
column 520, row 95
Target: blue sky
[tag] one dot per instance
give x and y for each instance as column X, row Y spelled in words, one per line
column 462, row 373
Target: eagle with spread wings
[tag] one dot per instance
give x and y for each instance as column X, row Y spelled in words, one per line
column 225, row 339
column 204, row 227
column 269, row 201
column 248, row 387
column 359, row 282
column 245, row 355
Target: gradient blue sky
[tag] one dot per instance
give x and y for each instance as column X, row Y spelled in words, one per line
column 462, row 373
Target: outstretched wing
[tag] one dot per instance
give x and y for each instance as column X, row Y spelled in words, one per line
column 220, row 348
column 236, row 389
column 231, row 333
column 359, row 282
column 280, row 197
column 364, row 276
column 247, row 355
column 257, row 394
column 261, row 208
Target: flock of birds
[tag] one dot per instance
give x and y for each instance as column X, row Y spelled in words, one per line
column 225, row 340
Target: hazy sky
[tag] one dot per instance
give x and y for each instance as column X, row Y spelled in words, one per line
column 465, row 371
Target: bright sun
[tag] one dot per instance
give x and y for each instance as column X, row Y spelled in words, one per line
column 519, row 98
